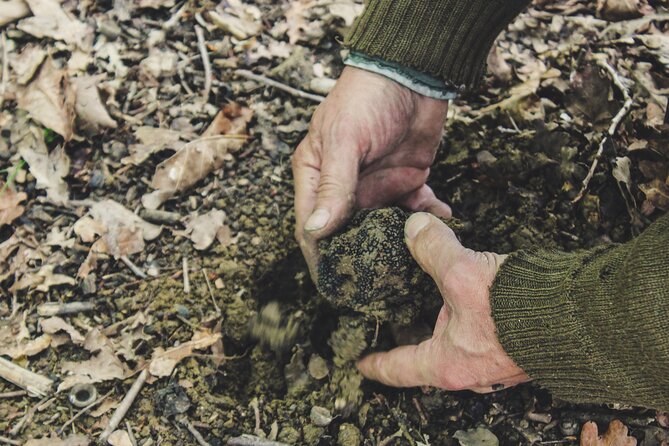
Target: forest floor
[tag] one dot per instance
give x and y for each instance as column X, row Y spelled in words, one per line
column 147, row 180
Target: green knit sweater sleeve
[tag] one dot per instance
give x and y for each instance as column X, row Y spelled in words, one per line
column 591, row 326
column 448, row 39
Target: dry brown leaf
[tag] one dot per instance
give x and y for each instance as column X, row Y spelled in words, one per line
column 103, row 366
column 88, row 104
column 296, row 20
column 42, row 280
column 203, row 229
column 50, row 20
column 123, row 232
column 55, row 324
column 239, row 19
column 152, row 140
column 15, row 339
column 190, row 164
column 616, row 435
column 347, row 10
column 11, row 10
column 72, row 440
column 26, row 63
column 657, row 196
column 119, row 438
column 49, row 99
column 163, row 361
column 231, row 120
column 10, row 208
column 49, row 170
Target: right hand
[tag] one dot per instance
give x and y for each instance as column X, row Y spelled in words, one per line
column 370, row 144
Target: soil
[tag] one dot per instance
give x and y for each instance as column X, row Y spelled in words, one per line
column 288, row 371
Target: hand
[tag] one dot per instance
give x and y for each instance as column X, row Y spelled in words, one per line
column 370, row 143
column 464, row 352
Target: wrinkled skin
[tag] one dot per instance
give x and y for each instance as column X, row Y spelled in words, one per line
column 370, row 144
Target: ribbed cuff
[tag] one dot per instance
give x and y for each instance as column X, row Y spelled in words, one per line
column 448, row 39
column 422, row 84
column 564, row 319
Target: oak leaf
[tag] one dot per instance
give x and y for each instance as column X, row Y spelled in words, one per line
column 616, row 435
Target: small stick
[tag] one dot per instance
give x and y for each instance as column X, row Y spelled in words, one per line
column 184, row 267
column 5, row 69
column 10, row 441
column 158, row 216
column 256, row 412
column 272, row 83
column 205, row 61
column 13, row 394
column 131, row 434
column 176, row 17
column 123, row 408
column 612, row 128
column 195, row 433
column 35, row 384
column 56, row 309
column 134, row 268
column 252, row 440
column 211, row 292
column 28, row 416
column 83, row 411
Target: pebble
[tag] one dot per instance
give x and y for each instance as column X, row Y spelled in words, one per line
column 318, row 368
column 320, row 416
column 476, row 437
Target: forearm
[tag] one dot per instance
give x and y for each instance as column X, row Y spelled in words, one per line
column 448, row 39
column 591, row 326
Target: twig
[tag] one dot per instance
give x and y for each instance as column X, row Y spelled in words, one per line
column 27, row 417
column 10, row 441
column 131, row 434
column 256, row 413
column 205, row 61
column 35, row 384
column 162, row 217
column 13, row 394
column 176, row 17
column 134, row 268
column 612, row 128
column 194, row 432
column 186, row 277
column 211, row 292
column 123, row 408
column 272, row 83
column 83, row 411
column 252, row 440
column 5, row 69
column 55, row 309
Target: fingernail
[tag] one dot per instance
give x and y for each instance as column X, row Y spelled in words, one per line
column 317, row 220
column 416, row 223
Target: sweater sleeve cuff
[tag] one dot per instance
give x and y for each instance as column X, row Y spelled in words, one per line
column 447, row 39
column 571, row 334
column 414, row 80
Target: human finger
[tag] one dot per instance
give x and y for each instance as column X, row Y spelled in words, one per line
column 423, row 199
column 433, row 244
column 405, row 366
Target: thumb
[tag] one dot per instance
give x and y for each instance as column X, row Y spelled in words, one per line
column 335, row 195
column 405, row 366
column 433, row 244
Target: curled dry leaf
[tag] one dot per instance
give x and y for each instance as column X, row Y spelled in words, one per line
column 239, row 19
column 119, row 438
column 11, row 10
column 152, row 140
column 26, row 63
column 49, row 99
column 72, row 440
column 49, row 169
column 50, row 20
column 657, row 196
column 203, row 229
column 42, row 280
column 103, row 366
column 88, row 104
column 122, row 232
column 56, row 324
column 15, row 339
column 197, row 159
column 620, row 9
column 616, row 435
column 163, row 361
column 10, row 204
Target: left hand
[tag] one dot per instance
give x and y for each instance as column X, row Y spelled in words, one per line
column 464, row 352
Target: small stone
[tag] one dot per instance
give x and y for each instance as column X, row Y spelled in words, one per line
column 88, row 284
column 320, row 416
column 218, row 283
column 318, row 368
column 182, row 310
column 485, row 157
column 349, row 435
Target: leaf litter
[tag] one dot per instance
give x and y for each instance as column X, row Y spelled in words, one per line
column 96, row 98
